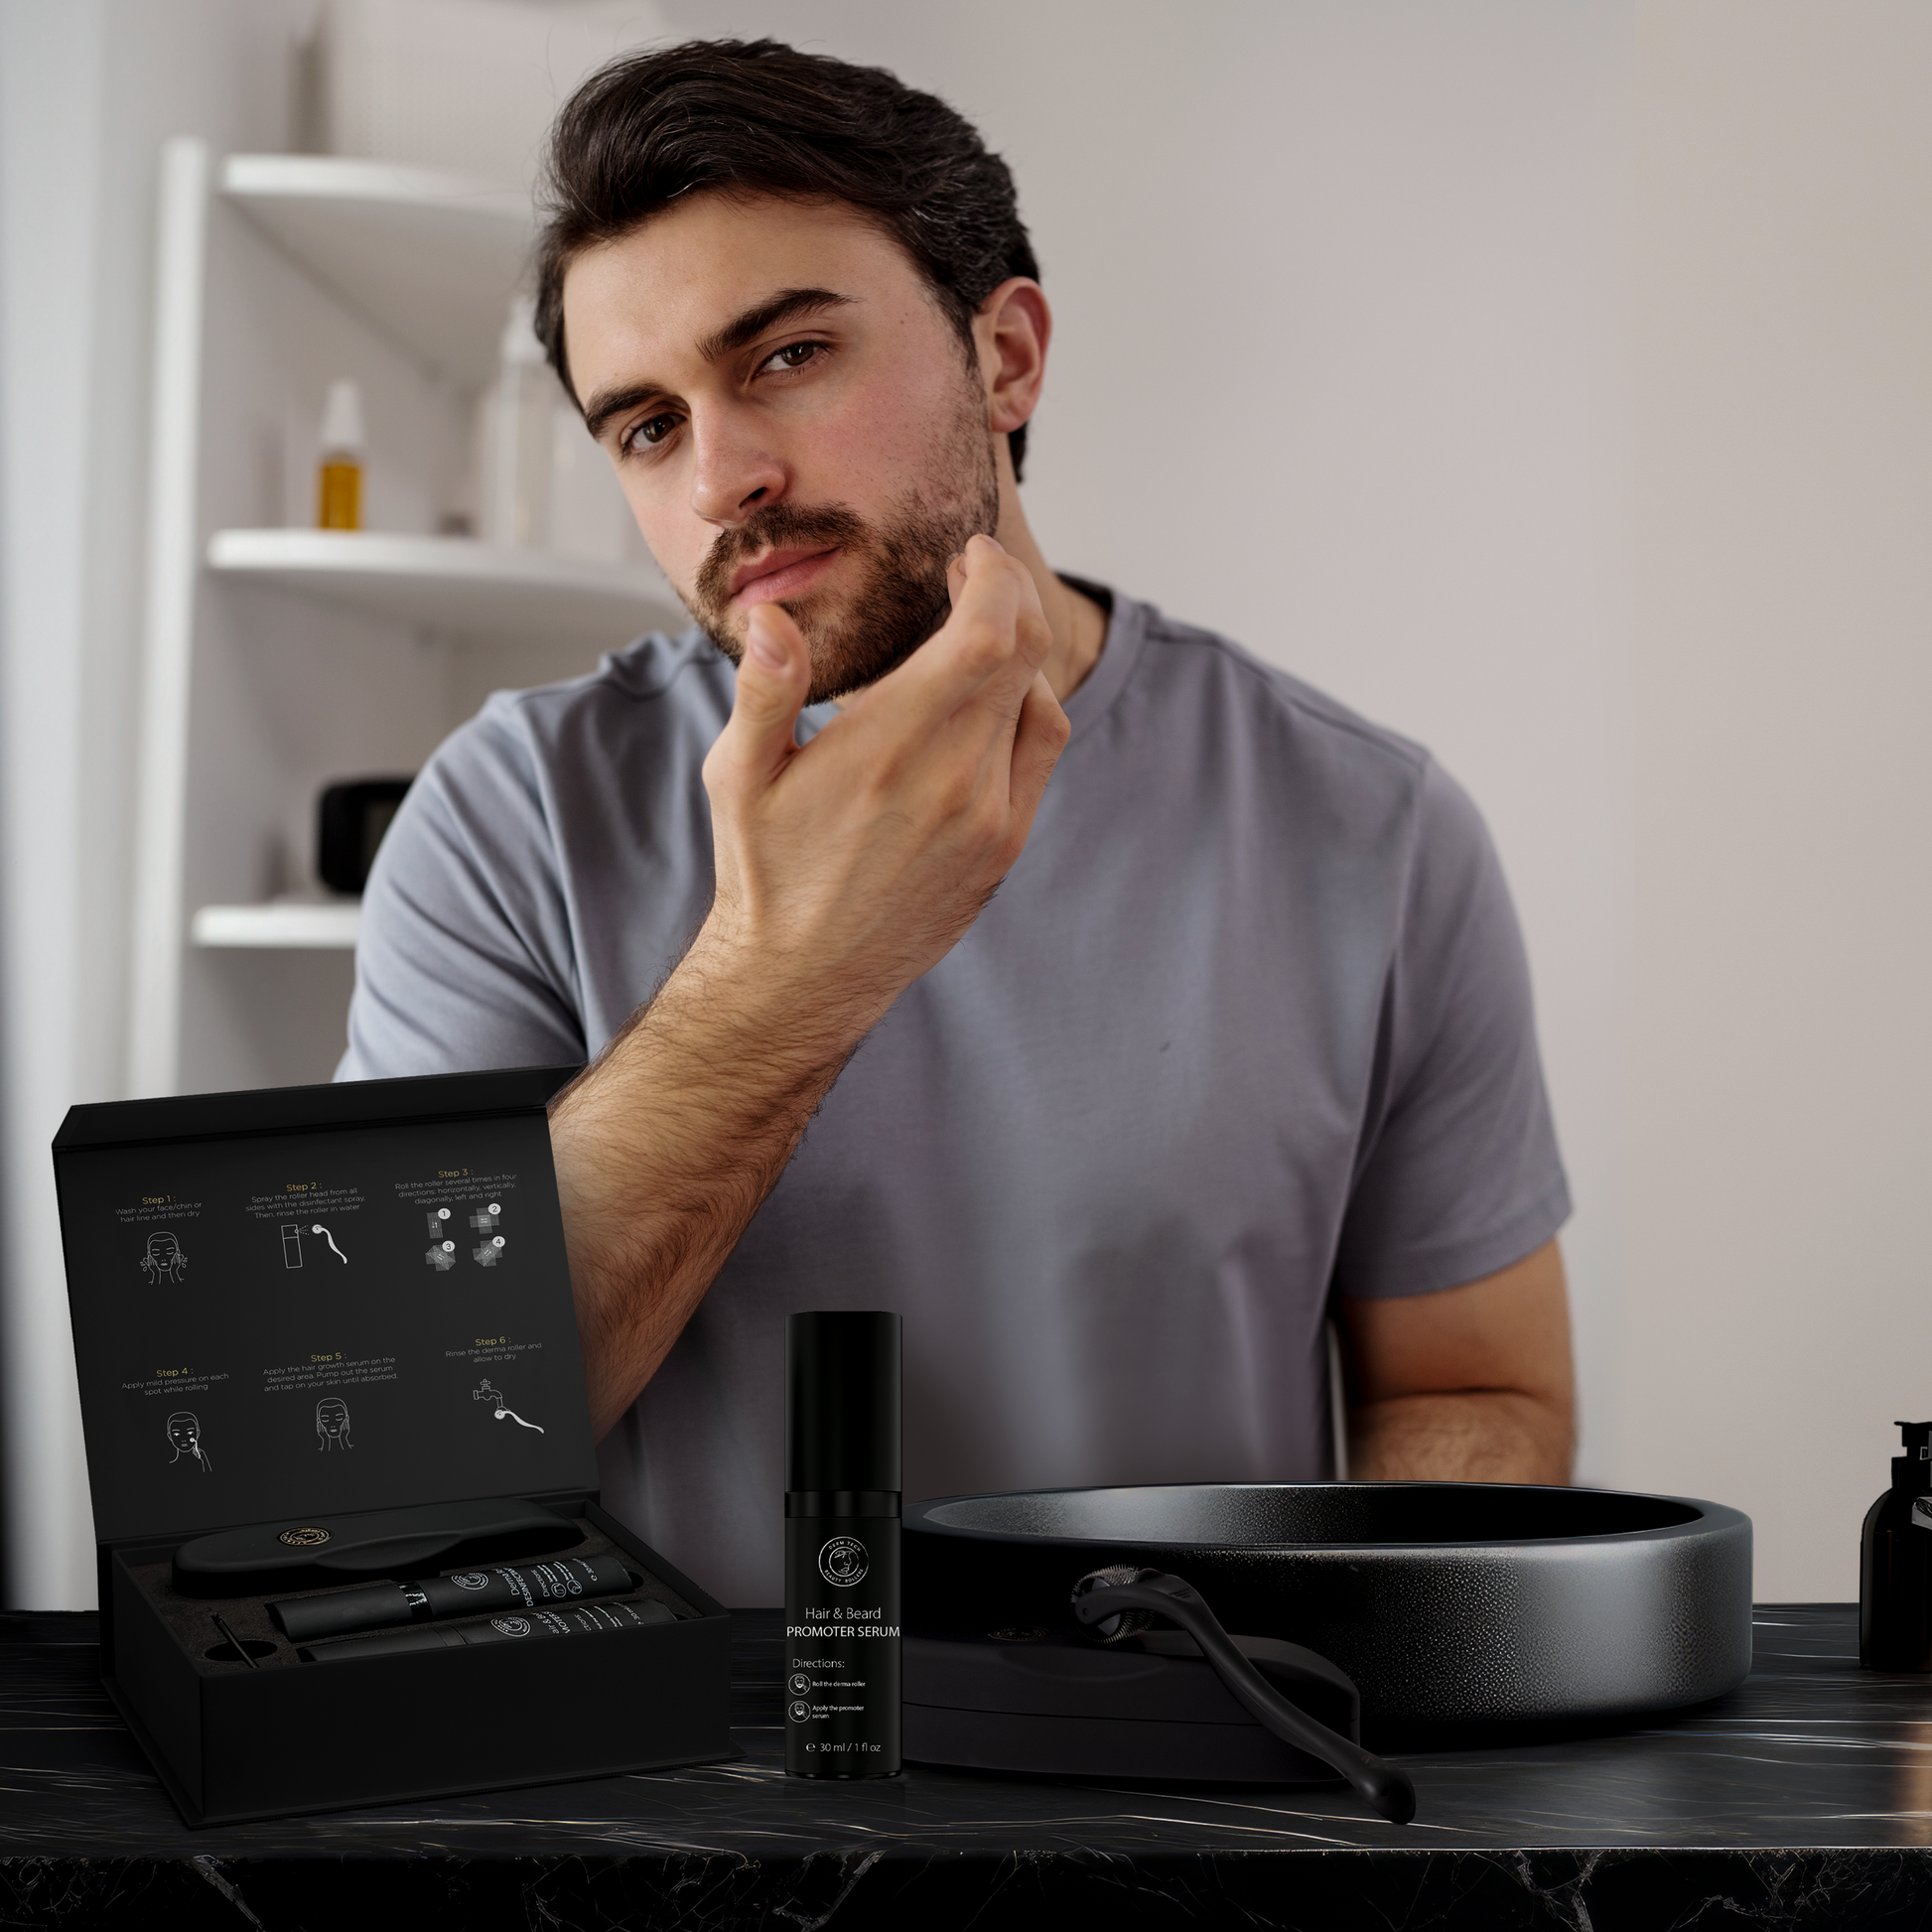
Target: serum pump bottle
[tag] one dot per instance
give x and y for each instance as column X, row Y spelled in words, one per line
column 842, row 1527
column 1895, row 1562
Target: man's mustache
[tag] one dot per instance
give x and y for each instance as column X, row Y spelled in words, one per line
column 775, row 526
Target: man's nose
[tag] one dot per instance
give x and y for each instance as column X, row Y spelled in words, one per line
column 734, row 472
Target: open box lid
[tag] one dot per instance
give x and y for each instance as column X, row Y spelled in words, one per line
column 318, row 1300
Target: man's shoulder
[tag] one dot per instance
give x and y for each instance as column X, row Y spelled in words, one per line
column 1188, row 667
column 655, row 693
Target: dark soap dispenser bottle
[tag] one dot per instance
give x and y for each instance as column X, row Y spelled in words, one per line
column 842, row 1527
column 1895, row 1562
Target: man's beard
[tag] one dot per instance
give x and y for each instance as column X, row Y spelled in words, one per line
column 903, row 596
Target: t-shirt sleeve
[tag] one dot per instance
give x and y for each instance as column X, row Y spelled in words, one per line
column 465, row 958
column 1458, row 1174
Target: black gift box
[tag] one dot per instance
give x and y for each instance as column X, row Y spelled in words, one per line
column 305, row 1305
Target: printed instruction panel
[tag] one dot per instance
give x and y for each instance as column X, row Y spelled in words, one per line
column 303, row 1324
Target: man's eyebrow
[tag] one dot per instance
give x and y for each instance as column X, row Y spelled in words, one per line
column 788, row 305
column 613, row 402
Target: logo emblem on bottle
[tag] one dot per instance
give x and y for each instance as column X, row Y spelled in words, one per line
column 302, row 1539
column 511, row 1627
column 469, row 1579
column 798, row 1711
column 844, row 1562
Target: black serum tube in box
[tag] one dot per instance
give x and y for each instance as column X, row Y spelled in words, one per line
column 581, row 1619
column 842, row 1514
column 461, row 1592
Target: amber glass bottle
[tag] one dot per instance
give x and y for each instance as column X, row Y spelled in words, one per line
column 339, row 472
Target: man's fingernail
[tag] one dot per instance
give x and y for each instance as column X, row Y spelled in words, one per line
column 760, row 643
column 996, row 543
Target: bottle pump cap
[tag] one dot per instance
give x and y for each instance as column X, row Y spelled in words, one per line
column 341, row 421
column 1913, row 1469
column 842, row 1401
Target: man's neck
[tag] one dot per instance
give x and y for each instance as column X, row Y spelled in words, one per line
column 1078, row 623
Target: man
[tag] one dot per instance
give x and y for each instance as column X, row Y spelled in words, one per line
column 1242, row 1040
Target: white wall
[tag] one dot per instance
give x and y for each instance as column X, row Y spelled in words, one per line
column 1779, row 1284
column 89, row 90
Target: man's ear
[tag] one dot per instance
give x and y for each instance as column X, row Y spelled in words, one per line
column 1012, row 331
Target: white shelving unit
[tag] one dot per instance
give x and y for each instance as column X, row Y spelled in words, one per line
column 481, row 589
column 278, row 659
column 429, row 259
column 280, row 924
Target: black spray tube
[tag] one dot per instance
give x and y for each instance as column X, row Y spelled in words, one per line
column 842, row 1514
column 581, row 1619
column 463, row 1592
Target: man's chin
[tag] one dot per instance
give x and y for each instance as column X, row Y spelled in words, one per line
column 839, row 678
column 842, row 664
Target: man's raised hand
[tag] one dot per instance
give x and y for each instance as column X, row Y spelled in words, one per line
column 849, row 867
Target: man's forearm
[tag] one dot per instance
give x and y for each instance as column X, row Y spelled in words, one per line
column 845, row 868
column 1471, row 1436
column 666, row 1147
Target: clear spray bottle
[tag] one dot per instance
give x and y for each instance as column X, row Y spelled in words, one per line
column 518, row 437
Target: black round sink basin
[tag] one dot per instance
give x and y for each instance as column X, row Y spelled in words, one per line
column 1448, row 1602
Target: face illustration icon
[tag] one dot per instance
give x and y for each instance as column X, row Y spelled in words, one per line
column 184, row 1438
column 164, row 1260
column 331, row 1424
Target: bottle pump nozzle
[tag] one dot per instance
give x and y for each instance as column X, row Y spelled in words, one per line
column 1913, row 1470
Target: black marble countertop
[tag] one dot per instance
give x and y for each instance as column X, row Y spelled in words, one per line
column 1803, row 1799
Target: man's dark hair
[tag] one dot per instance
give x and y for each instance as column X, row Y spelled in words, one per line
column 761, row 117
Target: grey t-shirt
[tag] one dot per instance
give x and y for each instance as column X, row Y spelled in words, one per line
column 1248, row 1027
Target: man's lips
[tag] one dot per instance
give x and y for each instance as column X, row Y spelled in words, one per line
column 780, row 573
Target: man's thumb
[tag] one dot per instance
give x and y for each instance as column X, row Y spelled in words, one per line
column 774, row 676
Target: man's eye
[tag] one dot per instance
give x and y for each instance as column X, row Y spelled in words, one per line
column 652, row 432
column 794, row 355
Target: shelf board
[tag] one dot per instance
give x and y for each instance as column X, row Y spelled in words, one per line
column 305, row 925
column 431, row 259
column 477, row 590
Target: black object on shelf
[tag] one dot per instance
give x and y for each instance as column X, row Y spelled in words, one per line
column 351, row 819
column 1895, row 1562
column 1450, row 1605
